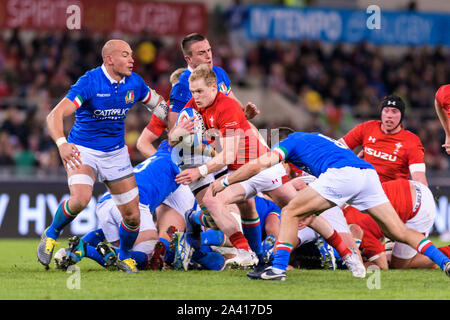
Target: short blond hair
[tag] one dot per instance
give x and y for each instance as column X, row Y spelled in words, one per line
column 175, row 76
column 204, row 72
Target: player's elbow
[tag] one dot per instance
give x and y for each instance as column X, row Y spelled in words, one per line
column 50, row 119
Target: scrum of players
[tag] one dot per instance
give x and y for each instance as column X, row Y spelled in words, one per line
column 214, row 195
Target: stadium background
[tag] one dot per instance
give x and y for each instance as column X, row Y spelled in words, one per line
column 312, row 65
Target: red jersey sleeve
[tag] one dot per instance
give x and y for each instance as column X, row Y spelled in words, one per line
column 416, row 151
column 371, row 246
column 443, row 97
column 156, row 126
column 355, row 137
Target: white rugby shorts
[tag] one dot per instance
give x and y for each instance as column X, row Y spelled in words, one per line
column 334, row 216
column 360, row 188
column 181, row 200
column 108, row 166
column 109, row 219
column 422, row 222
column 267, row 180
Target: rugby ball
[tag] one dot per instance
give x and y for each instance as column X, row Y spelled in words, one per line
column 194, row 139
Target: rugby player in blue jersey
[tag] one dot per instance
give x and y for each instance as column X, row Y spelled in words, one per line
column 342, row 178
column 196, row 51
column 95, row 148
column 155, row 178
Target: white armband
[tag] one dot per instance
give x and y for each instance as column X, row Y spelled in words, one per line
column 60, row 141
column 417, row 167
column 225, row 182
column 151, row 101
column 161, row 111
column 203, row 170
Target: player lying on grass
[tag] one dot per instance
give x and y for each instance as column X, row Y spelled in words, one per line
column 342, row 178
column 415, row 205
column 268, row 213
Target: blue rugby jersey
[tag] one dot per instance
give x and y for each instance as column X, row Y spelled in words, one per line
column 180, row 93
column 155, row 178
column 102, row 106
column 315, row 153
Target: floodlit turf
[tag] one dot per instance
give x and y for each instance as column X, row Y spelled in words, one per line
column 22, row 277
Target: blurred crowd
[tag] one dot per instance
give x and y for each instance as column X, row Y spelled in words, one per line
column 338, row 85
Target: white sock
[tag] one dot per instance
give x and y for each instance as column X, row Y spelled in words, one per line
column 278, row 271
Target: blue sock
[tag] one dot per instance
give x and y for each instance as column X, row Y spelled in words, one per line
column 127, row 237
column 252, row 231
column 196, row 217
column 140, row 258
column 426, row 247
column 93, row 238
column 210, row 260
column 281, row 259
column 62, row 218
column 213, row 237
column 170, row 255
column 92, row 253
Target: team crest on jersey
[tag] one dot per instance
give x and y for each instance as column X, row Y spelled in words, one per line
column 397, row 147
column 129, row 98
column 371, row 139
column 223, row 88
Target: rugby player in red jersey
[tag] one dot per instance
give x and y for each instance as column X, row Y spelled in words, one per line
column 392, row 150
column 223, row 117
column 224, row 120
column 442, row 106
column 415, row 205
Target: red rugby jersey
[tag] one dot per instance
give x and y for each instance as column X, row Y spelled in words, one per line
column 156, row 126
column 443, row 98
column 399, row 194
column 226, row 116
column 390, row 154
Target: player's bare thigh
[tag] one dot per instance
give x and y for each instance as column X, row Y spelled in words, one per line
column 282, row 195
column 305, row 203
column 166, row 217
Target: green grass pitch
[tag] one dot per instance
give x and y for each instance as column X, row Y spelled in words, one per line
column 23, row 278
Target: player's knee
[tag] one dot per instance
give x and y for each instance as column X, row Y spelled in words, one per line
column 357, row 231
column 131, row 219
column 78, row 202
column 210, row 201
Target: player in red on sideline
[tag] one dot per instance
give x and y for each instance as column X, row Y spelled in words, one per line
column 442, row 106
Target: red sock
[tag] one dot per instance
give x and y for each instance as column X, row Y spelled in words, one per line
column 239, row 241
column 445, row 250
column 336, row 242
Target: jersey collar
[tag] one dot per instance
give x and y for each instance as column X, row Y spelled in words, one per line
column 113, row 81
